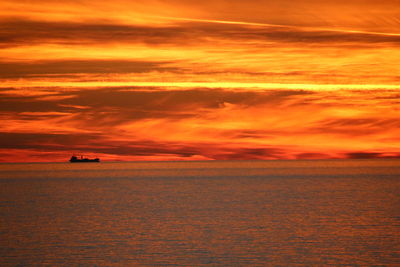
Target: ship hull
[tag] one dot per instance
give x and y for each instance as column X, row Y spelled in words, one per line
column 84, row 161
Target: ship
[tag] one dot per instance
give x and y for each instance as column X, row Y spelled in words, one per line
column 82, row 159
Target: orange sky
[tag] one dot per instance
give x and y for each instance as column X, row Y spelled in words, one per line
column 199, row 80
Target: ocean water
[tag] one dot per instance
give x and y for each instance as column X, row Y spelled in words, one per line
column 219, row 213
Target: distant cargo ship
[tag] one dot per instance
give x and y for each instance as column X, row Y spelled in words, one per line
column 83, row 159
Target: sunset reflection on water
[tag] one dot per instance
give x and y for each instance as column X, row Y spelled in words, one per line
column 260, row 214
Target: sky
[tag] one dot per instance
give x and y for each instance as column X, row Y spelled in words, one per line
column 199, row 80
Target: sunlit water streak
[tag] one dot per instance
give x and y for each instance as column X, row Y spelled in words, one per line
column 218, row 213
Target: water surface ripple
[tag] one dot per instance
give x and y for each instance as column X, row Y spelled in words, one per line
column 220, row 213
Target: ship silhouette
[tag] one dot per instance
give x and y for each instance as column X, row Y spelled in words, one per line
column 81, row 158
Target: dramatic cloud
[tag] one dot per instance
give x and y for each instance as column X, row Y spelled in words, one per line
column 62, row 67
column 181, row 33
column 190, row 80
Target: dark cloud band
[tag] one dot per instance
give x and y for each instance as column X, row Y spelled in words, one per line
column 26, row 32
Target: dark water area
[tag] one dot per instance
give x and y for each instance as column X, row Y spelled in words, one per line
column 222, row 213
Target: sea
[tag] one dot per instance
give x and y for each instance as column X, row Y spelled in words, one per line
column 201, row 213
